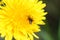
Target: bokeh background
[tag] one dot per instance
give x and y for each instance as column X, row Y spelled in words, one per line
column 50, row 31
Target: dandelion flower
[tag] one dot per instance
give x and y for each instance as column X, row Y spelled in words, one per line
column 19, row 18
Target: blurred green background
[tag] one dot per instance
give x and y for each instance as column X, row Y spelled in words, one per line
column 50, row 31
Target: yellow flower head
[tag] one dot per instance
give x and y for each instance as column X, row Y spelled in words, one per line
column 19, row 18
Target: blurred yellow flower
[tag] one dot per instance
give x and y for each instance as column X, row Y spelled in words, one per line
column 19, row 18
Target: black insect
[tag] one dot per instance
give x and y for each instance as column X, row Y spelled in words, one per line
column 30, row 20
column 3, row 4
column 0, row 0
